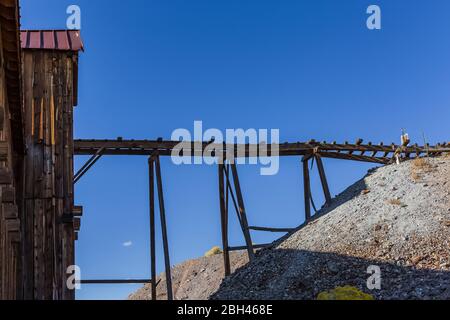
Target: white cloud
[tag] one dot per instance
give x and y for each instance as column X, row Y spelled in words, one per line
column 127, row 243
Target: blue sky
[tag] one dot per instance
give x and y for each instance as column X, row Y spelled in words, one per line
column 308, row 68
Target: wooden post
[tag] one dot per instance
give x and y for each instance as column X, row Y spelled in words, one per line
column 323, row 179
column 242, row 212
column 227, row 189
column 306, row 189
column 162, row 212
column 226, row 216
column 224, row 222
column 152, row 226
column 92, row 160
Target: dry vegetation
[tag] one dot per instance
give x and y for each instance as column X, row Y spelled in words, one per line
column 213, row 251
column 395, row 202
column 419, row 167
column 422, row 164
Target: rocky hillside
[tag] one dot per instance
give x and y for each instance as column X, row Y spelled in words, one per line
column 194, row 279
column 397, row 219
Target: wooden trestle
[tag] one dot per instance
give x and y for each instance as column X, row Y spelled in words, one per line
column 381, row 153
column 229, row 185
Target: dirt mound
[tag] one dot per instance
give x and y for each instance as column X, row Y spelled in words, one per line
column 194, row 279
column 396, row 219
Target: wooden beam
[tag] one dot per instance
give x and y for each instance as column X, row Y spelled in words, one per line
column 229, row 191
column 76, row 224
column 77, row 211
column 255, row 246
column 306, row 190
column 85, row 168
column 364, row 151
column 354, row 157
column 152, row 226
column 162, row 212
column 164, row 148
column 357, row 143
column 224, row 221
column 271, row 229
column 323, row 179
column 242, row 212
column 115, row 281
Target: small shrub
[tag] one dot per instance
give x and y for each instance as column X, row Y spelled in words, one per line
column 422, row 164
column 418, row 167
column 214, row 250
column 344, row 293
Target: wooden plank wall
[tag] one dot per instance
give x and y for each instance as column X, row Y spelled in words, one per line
column 10, row 262
column 47, row 223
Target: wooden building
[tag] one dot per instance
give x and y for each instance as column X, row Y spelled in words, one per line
column 38, row 90
column 50, row 64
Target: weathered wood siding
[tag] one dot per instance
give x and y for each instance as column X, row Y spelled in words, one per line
column 47, row 224
column 10, row 258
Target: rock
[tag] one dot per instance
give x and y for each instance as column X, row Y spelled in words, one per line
column 332, row 267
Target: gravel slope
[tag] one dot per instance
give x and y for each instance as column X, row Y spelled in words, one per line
column 397, row 217
column 194, row 279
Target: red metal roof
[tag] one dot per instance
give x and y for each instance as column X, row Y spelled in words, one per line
column 66, row 40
